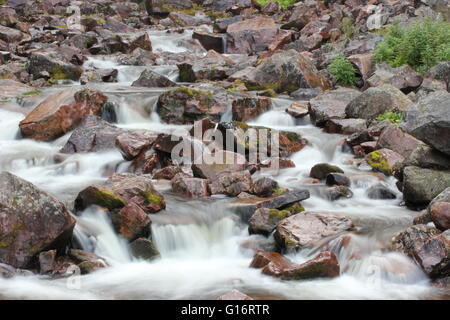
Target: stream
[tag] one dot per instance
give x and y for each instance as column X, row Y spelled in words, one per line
column 205, row 248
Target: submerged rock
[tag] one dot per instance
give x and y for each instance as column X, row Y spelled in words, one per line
column 31, row 221
column 144, row 248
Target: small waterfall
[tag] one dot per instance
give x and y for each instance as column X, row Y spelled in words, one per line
column 95, row 233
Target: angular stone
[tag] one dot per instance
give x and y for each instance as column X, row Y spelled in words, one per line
column 31, row 221
column 152, row 79
column 190, row 187
column 308, row 228
column 231, row 183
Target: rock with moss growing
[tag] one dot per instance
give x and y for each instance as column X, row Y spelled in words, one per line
column 31, row 221
column 421, row 186
column 322, row 170
column 184, row 106
column 264, row 220
column 375, row 101
column 384, row 160
column 56, row 68
column 121, row 189
column 144, row 249
column 309, row 228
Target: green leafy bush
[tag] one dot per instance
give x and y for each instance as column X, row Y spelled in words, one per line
column 283, row 3
column 394, row 117
column 422, row 45
column 343, row 70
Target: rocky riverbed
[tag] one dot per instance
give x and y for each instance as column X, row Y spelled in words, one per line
column 330, row 176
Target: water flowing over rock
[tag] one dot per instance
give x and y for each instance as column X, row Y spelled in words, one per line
column 429, row 121
column 61, row 112
column 31, row 221
column 308, row 228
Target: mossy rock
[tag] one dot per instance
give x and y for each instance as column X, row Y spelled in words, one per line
column 143, row 248
column 378, row 162
column 101, row 196
column 321, row 170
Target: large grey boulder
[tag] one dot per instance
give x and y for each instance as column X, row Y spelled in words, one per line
column 375, row 101
column 429, row 120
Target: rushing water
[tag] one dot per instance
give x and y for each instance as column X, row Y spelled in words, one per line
column 205, row 249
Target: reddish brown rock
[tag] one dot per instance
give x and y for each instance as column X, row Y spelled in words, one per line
column 133, row 142
column 47, row 261
column 231, row 183
column 60, row 113
column 167, row 173
column 324, row 265
column 131, row 222
column 190, row 187
column 222, row 162
column 384, row 160
column 392, row 137
column 297, row 110
column 256, row 35
column 439, row 210
column 246, row 109
column 308, row 228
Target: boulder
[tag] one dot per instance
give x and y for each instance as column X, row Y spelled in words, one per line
column 297, row 110
column 421, row 186
column 324, row 265
column 288, row 200
column 427, row 157
column 131, row 222
column 245, row 109
column 285, row 71
column 429, row 121
column 92, row 135
column 10, row 35
column 322, row 170
column 51, row 64
column 87, row 261
column 146, row 161
column 392, row 137
column 208, row 68
column 143, row 248
column 426, row 245
column 338, row 192
column 190, row 187
column 384, row 160
column 255, row 35
column 120, row 190
column 331, row 105
column 439, row 210
column 309, row 228
column 440, row 72
column 231, row 183
column 210, row 41
column 380, row 191
column 99, row 75
column 61, row 112
column 264, row 220
column 264, row 187
column 403, row 78
column 151, row 79
column 31, row 221
column 47, row 261
column 161, row 7
column 167, row 173
column 222, row 163
column 131, row 143
column 375, row 101
column 345, row 126
column 337, row 179
column 183, row 106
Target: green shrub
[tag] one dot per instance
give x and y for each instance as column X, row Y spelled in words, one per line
column 348, row 28
column 343, row 70
column 283, row 3
column 422, row 45
column 394, row 117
